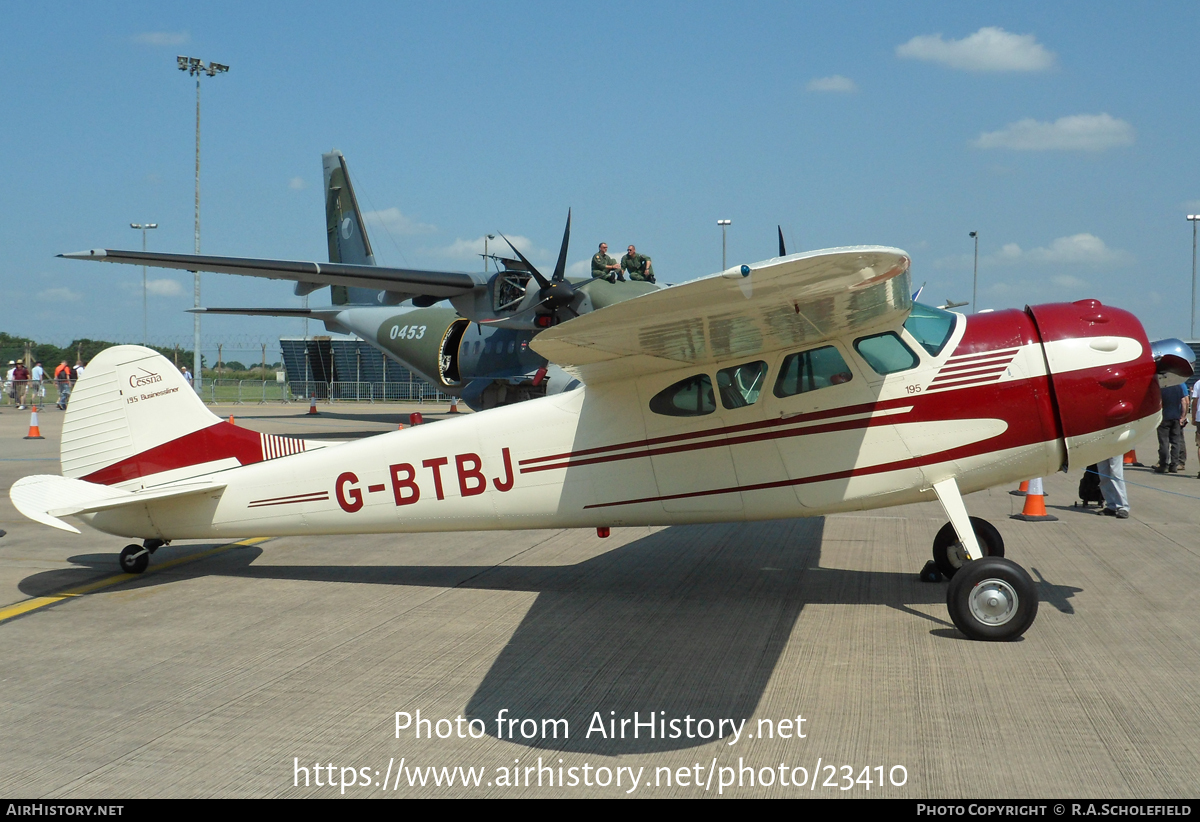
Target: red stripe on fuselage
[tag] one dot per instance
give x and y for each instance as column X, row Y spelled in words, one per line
column 217, row 442
column 1011, row 401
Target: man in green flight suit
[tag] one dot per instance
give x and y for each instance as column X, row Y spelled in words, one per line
column 605, row 267
column 638, row 266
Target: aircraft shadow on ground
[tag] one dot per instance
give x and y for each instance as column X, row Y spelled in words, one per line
column 687, row 621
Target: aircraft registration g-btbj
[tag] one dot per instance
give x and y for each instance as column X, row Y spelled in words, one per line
column 800, row 386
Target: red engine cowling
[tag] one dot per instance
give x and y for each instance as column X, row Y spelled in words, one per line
column 1102, row 375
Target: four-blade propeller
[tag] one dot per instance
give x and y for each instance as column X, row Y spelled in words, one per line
column 555, row 292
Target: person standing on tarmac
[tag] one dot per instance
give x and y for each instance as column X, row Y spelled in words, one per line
column 605, row 267
column 62, row 379
column 638, row 266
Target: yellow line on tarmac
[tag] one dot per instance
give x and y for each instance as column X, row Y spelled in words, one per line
column 41, row 602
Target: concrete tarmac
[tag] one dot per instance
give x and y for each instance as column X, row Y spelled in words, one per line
column 275, row 668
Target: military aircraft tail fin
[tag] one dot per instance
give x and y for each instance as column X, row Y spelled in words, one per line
column 345, row 229
column 133, row 421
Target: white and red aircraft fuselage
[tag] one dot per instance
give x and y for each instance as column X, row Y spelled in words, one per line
column 802, row 386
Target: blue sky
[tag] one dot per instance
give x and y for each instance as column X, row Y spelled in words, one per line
column 1063, row 133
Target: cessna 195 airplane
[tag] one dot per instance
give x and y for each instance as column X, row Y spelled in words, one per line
column 436, row 342
column 803, row 385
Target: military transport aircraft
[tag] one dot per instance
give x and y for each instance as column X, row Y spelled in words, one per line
column 461, row 350
column 800, row 386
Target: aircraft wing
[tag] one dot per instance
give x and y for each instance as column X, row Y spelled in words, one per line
column 790, row 301
column 408, row 281
column 321, row 314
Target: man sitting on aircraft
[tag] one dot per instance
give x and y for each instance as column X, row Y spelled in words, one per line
column 638, row 266
column 605, row 267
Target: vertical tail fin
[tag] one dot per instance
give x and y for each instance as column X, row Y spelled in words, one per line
column 346, row 232
column 133, row 422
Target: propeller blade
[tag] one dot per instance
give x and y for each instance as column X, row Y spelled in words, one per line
column 537, row 275
column 560, row 268
column 782, row 247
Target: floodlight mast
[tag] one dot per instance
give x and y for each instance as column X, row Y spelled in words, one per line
column 723, row 224
column 1193, row 218
column 195, row 67
column 145, row 313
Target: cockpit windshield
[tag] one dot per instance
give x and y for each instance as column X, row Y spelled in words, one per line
column 931, row 327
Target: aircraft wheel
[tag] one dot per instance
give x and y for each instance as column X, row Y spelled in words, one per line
column 949, row 553
column 134, row 559
column 992, row 599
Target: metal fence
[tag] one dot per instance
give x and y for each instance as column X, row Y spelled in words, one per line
column 366, row 391
column 261, row 392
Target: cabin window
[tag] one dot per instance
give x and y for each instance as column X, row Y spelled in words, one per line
column 886, row 353
column 740, row 386
column 692, row 397
column 931, row 327
column 810, row 370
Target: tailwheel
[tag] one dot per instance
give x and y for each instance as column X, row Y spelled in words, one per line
column 949, row 553
column 992, row 599
column 135, row 559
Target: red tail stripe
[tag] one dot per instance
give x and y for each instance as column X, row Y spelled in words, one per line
column 219, row 441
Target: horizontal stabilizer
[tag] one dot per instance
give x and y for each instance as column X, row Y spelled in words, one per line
column 44, row 498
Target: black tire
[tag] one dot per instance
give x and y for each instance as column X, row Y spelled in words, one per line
column 992, row 599
column 134, row 559
column 949, row 553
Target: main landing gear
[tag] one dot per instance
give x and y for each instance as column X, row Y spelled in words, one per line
column 989, row 597
column 135, row 558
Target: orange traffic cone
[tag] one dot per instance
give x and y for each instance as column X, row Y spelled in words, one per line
column 1131, row 459
column 34, row 433
column 453, row 405
column 1022, row 490
column 312, row 405
column 1035, row 505
column 400, row 427
column 231, row 422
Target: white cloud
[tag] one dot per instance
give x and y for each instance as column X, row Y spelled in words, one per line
column 1079, row 132
column 1067, row 281
column 162, row 38
column 836, row 83
column 297, row 184
column 163, row 288
column 1080, row 249
column 59, row 295
column 1086, row 250
column 471, row 249
column 989, row 49
column 392, row 221
column 1190, row 206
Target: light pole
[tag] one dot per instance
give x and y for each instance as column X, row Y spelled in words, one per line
column 486, row 237
column 1192, row 218
column 144, row 227
column 195, row 67
column 723, row 224
column 975, row 278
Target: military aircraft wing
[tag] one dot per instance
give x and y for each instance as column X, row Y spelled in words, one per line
column 407, row 281
column 299, row 313
column 797, row 300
